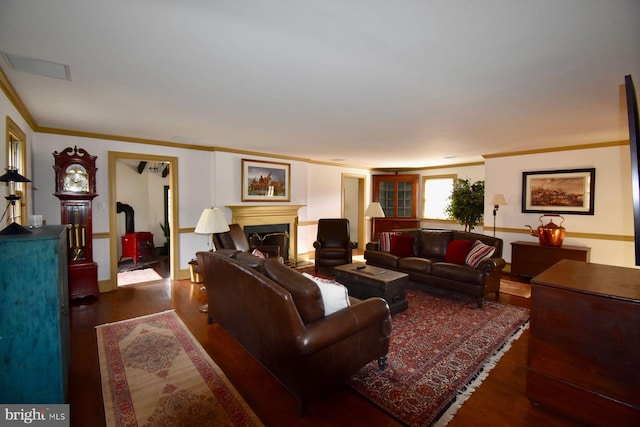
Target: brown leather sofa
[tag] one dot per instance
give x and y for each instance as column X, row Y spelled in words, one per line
column 427, row 267
column 277, row 315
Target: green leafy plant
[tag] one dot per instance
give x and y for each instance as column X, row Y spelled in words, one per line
column 467, row 203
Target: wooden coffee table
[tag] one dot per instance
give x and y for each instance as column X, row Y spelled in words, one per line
column 373, row 281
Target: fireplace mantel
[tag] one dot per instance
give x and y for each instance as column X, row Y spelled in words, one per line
column 269, row 214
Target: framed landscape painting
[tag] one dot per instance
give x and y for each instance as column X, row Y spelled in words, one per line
column 265, row 181
column 559, row 192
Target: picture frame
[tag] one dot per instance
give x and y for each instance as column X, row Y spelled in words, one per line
column 265, row 181
column 569, row 191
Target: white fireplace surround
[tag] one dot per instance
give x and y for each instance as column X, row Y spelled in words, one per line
column 267, row 215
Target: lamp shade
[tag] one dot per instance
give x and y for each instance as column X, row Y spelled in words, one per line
column 12, row 175
column 498, row 200
column 374, row 210
column 212, row 221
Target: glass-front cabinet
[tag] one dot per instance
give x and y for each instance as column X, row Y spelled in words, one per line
column 398, row 196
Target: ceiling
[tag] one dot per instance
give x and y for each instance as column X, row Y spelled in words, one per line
column 398, row 83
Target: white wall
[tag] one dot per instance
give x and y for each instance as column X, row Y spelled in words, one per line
column 316, row 187
column 213, row 179
column 613, row 216
column 194, row 192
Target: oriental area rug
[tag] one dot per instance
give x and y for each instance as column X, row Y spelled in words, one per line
column 440, row 351
column 155, row 373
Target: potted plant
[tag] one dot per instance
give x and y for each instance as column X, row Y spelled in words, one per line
column 467, row 203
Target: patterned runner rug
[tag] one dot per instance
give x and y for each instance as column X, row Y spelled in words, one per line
column 154, row 372
column 441, row 349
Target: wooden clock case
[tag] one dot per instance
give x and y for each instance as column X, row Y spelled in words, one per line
column 76, row 212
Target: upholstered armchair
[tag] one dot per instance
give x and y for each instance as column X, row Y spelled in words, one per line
column 333, row 243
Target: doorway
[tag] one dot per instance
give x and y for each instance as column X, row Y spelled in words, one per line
column 353, row 208
column 162, row 219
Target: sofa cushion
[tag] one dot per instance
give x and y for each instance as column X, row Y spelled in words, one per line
column 402, row 245
column 306, row 294
column 457, row 251
column 433, row 244
column 385, row 240
column 478, row 252
column 335, row 296
column 458, row 273
column 415, row 264
column 381, row 259
column 333, row 253
column 249, row 260
column 487, row 240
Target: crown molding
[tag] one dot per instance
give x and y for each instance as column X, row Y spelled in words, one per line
column 15, row 99
column 556, row 149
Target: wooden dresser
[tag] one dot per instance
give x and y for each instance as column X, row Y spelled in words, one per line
column 531, row 258
column 34, row 316
column 584, row 350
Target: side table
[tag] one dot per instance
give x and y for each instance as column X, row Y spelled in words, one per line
column 531, row 258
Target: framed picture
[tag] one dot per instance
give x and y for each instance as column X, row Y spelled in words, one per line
column 265, row 181
column 561, row 192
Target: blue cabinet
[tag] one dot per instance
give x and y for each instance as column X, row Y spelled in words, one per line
column 34, row 317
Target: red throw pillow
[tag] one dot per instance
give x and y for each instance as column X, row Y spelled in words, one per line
column 402, row 245
column 457, row 251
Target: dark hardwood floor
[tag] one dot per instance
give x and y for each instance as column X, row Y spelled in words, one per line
column 500, row 401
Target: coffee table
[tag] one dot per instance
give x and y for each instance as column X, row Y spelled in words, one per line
column 372, row 281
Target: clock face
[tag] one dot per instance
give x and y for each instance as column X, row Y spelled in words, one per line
column 76, row 179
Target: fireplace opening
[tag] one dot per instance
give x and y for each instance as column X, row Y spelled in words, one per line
column 269, row 235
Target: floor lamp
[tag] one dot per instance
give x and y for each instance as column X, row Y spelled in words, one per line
column 497, row 200
column 374, row 210
column 11, row 177
column 211, row 221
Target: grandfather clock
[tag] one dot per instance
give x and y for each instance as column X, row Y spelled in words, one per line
column 75, row 171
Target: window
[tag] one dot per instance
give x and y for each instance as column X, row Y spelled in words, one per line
column 16, row 158
column 437, row 190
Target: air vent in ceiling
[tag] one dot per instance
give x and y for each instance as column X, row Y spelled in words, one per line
column 38, row 67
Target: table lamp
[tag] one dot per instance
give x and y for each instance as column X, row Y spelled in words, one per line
column 374, row 210
column 211, row 221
